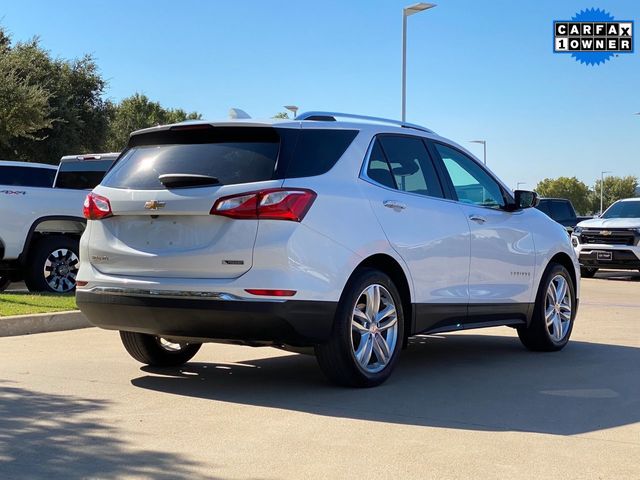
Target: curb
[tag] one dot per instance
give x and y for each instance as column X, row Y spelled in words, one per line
column 42, row 322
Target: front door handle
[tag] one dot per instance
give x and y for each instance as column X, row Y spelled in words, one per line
column 477, row 218
column 397, row 206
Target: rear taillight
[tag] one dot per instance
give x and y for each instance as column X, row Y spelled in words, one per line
column 273, row 204
column 96, row 207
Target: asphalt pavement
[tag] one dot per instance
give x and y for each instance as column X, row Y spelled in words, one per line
column 470, row 405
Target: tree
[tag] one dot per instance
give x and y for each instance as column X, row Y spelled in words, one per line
column 281, row 115
column 615, row 188
column 74, row 119
column 136, row 112
column 24, row 108
column 567, row 187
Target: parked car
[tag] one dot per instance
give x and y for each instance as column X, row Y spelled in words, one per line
column 41, row 224
column 611, row 241
column 347, row 236
column 561, row 210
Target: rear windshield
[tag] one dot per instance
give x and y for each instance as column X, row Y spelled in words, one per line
column 82, row 175
column 233, row 155
column 27, row 176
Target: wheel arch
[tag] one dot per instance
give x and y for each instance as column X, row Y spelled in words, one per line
column 60, row 224
column 566, row 261
column 391, row 267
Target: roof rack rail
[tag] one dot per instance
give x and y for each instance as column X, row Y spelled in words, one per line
column 330, row 117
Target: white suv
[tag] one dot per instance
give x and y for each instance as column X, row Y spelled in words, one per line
column 345, row 236
column 611, row 241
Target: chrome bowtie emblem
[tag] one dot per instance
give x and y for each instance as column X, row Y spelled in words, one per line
column 605, row 232
column 154, row 205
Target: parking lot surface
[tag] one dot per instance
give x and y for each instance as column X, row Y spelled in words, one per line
column 465, row 405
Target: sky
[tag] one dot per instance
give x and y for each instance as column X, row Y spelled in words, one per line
column 476, row 69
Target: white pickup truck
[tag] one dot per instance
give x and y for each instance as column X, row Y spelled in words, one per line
column 41, row 219
column 611, row 241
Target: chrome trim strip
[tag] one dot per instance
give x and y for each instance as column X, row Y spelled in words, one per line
column 140, row 292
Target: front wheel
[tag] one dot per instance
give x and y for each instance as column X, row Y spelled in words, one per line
column 367, row 335
column 157, row 351
column 554, row 312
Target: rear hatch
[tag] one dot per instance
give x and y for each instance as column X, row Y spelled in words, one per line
column 161, row 193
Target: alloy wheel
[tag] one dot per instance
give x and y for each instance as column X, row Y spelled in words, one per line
column 60, row 270
column 558, row 308
column 374, row 328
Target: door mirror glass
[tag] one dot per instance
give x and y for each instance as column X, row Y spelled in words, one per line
column 525, row 199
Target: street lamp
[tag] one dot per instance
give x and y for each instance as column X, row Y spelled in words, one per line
column 484, row 148
column 602, row 186
column 293, row 109
column 407, row 12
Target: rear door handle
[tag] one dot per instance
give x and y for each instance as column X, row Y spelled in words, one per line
column 477, row 218
column 397, row 206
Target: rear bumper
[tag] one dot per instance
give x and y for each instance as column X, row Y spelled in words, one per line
column 293, row 322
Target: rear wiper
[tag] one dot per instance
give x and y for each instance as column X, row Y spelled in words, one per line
column 184, row 180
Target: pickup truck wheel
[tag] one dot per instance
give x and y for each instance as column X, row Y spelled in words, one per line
column 157, row 351
column 52, row 264
column 553, row 314
column 4, row 282
column 367, row 334
column 588, row 272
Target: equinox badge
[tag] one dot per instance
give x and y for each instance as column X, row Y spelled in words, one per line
column 154, row 205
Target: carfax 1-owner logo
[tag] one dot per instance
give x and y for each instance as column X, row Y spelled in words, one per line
column 593, row 36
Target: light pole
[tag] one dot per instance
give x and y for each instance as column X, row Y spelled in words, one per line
column 484, row 148
column 407, row 12
column 293, row 109
column 602, row 187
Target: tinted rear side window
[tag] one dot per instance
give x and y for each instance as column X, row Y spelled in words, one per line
column 378, row 169
column 26, row 176
column 317, row 151
column 232, row 155
column 82, row 175
column 411, row 165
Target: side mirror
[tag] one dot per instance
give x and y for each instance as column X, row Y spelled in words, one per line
column 525, row 199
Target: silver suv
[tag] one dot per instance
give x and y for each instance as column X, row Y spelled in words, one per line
column 347, row 236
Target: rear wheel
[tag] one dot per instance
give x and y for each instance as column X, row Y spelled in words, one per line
column 368, row 332
column 553, row 314
column 52, row 264
column 5, row 280
column 588, row 272
column 157, row 351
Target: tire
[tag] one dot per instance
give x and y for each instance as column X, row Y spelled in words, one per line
column 544, row 336
column 588, row 272
column 156, row 351
column 52, row 264
column 5, row 281
column 338, row 356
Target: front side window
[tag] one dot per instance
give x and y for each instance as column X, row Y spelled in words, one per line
column 471, row 183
